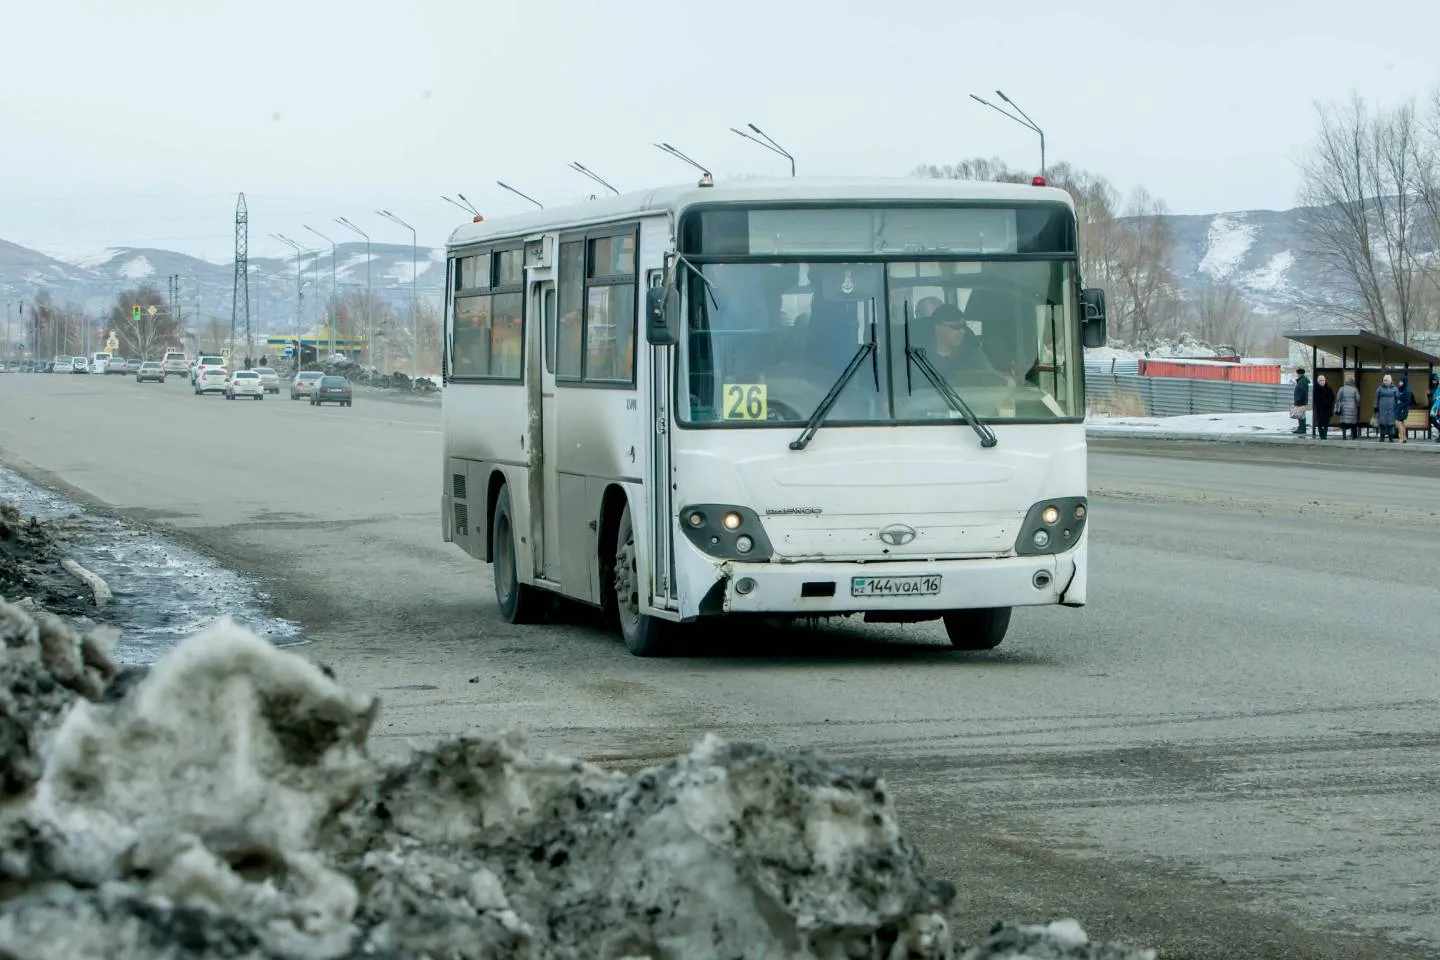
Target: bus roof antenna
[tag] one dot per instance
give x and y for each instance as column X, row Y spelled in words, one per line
column 506, row 186
column 579, row 167
column 768, row 143
column 706, row 180
column 467, row 207
column 466, row 201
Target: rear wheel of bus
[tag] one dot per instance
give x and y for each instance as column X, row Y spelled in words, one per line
column 644, row 636
column 981, row 629
column 519, row 603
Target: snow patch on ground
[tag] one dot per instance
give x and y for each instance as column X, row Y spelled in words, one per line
column 1233, row 424
column 1152, row 350
column 1226, row 244
column 223, row 803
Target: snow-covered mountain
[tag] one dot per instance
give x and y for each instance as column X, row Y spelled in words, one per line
column 1261, row 251
column 93, row 280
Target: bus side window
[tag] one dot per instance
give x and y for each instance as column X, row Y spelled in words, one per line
column 570, row 327
column 550, row 329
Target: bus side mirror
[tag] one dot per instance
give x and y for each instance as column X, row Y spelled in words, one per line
column 1092, row 331
column 662, row 310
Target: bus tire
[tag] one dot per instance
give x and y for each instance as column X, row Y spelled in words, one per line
column 518, row 602
column 981, row 629
column 644, row 636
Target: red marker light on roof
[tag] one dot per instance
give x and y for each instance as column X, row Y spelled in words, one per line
column 1037, row 181
column 477, row 219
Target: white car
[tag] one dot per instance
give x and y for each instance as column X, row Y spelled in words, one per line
column 79, row 365
column 269, row 379
column 175, row 362
column 212, row 380
column 244, row 383
column 205, row 362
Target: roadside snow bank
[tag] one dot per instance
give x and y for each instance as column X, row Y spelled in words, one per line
column 222, row 804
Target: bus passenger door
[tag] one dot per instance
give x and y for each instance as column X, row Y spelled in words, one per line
column 546, row 499
column 660, row 484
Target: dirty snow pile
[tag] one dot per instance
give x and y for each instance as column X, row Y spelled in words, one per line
column 222, row 803
column 371, row 377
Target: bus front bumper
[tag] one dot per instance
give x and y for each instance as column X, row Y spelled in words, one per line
column 832, row 588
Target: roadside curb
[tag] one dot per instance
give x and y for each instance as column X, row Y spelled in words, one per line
column 1413, row 447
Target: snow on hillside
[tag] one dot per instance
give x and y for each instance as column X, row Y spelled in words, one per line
column 1273, row 277
column 136, row 268
column 1230, row 237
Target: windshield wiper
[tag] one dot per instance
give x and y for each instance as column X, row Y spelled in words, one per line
column 916, row 355
column 822, row 411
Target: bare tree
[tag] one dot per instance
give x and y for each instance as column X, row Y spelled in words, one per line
column 1221, row 317
column 149, row 334
column 1370, row 183
column 213, row 335
column 1127, row 251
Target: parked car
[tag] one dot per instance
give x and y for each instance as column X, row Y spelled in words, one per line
column 244, row 383
column 305, row 383
column 175, row 362
column 79, row 365
column 332, row 390
column 269, row 379
column 204, row 362
column 214, row 379
column 150, row 370
column 100, row 362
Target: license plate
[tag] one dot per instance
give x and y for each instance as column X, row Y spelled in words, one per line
column 926, row 586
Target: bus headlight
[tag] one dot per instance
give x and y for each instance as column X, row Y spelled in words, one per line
column 1052, row 526
column 726, row 531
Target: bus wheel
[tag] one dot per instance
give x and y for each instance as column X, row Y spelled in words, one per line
column 518, row 602
column 977, row 629
column 644, row 636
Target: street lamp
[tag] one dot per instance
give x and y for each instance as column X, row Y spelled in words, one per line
column 369, row 331
column 414, row 302
column 1025, row 122
column 334, row 290
column 767, row 143
column 299, row 353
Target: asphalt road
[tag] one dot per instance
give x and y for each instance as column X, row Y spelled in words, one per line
column 1232, row 752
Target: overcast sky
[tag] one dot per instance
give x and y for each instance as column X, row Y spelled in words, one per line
column 136, row 123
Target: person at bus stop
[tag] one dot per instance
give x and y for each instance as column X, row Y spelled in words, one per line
column 1324, row 404
column 1387, row 402
column 1300, row 401
column 1435, row 406
column 1404, row 402
column 1347, row 409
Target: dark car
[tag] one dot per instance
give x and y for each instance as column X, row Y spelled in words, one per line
column 332, row 390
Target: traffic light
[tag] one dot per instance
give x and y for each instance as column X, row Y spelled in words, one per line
column 135, row 312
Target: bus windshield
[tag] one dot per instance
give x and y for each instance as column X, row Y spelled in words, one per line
column 766, row 341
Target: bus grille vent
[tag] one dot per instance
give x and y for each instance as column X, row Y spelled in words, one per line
column 462, row 520
column 457, row 483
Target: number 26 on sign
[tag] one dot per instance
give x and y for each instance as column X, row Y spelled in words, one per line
column 745, row 401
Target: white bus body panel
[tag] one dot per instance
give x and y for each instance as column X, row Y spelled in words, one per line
column 966, row 505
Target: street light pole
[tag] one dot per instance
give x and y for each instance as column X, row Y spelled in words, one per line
column 369, row 331
column 334, row 290
column 299, row 351
column 1023, row 119
column 414, row 301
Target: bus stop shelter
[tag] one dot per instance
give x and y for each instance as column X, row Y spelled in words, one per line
column 1367, row 357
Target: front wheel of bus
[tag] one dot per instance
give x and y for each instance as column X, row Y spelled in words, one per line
column 644, row 636
column 518, row 602
column 977, row 629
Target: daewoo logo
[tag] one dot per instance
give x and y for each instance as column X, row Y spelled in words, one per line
column 897, row 534
column 792, row 511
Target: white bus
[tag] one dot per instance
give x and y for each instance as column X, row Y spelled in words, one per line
column 794, row 398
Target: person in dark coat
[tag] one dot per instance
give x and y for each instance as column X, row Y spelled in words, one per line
column 1435, row 406
column 1301, row 400
column 1387, row 402
column 1403, row 405
column 1324, row 404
